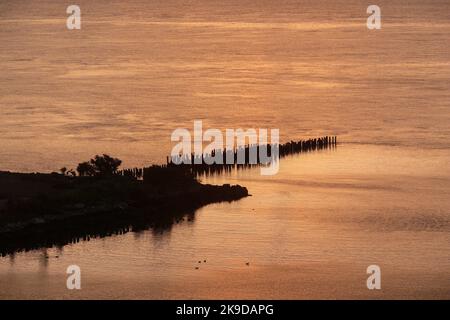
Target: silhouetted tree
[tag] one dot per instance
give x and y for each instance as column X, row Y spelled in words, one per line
column 105, row 165
column 99, row 166
column 85, row 169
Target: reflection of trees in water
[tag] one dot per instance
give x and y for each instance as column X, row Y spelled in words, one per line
column 12, row 258
column 43, row 258
column 71, row 231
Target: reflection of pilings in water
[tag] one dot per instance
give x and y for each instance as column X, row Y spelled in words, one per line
column 102, row 226
column 225, row 161
column 238, row 158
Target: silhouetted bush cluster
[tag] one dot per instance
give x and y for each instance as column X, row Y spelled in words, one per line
column 99, row 166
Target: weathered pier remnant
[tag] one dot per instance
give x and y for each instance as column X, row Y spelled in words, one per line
column 249, row 156
column 238, row 158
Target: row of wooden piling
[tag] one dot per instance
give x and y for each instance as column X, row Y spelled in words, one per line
column 240, row 158
column 284, row 150
column 137, row 173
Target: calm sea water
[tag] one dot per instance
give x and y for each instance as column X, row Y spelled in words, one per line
column 137, row 71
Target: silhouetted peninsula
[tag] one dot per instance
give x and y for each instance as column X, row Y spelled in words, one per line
column 43, row 210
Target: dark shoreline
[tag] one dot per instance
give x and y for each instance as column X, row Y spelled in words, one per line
column 118, row 205
column 44, row 210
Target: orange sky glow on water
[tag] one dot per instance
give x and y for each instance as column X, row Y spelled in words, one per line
column 137, row 70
